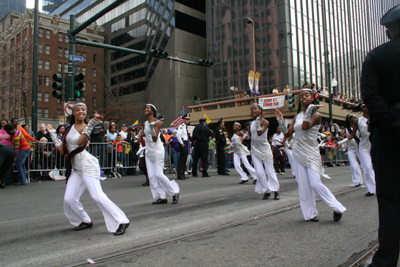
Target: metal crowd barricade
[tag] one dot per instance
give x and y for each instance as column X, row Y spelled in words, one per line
column 125, row 158
column 168, row 164
column 105, row 153
column 335, row 157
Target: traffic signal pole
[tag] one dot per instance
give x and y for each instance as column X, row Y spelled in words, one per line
column 71, row 51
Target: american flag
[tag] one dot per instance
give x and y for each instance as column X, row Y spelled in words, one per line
column 178, row 120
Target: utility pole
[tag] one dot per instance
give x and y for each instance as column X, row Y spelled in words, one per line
column 71, row 51
column 34, row 66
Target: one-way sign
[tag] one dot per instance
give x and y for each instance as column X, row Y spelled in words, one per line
column 76, row 58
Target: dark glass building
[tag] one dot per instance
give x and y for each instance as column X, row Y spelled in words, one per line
column 17, row 6
column 296, row 41
column 175, row 26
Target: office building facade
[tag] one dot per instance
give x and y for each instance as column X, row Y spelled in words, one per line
column 17, row 6
column 177, row 27
column 295, row 42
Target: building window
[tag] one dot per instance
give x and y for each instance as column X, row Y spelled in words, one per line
column 60, row 37
column 94, row 101
column 39, row 96
column 84, row 71
column 58, row 113
column 47, row 65
column 40, row 48
column 94, row 88
column 59, row 67
column 84, row 56
column 47, row 50
column 65, row 67
column 40, row 64
column 94, row 73
column 41, row 32
column 94, row 58
column 47, row 81
column 66, row 39
column 46, row 97
column 78, row 53
column 58, row 101
column 83, row 99
column 47, row 34
column 40, row 81
column 45, row 113
column 60, row 52
column 78, row 68
column 66, row 53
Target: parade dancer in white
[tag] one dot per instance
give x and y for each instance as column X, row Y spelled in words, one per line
column 352, row 149
column 83, row 172
column 159, row 183
column 261, row 154
column 240, row 153
column 289, row 152
column 364, row 150
column 307, row 159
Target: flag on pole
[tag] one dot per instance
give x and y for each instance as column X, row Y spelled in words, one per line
column 208, row 121
column 136, row 124
column 178, row 120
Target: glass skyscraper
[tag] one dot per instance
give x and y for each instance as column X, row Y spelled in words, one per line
column 294, row 42
column 17, row 6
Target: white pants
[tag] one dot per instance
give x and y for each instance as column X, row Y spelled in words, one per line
column 289, row 154
column 159, row 183
column 309, row 181
column 73, row 209
column 355, row 168
column 369, row 173
column 263, row 186
column 238, row 168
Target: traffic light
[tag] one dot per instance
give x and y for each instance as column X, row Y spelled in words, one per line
column 78, row 85
column 57, row 86
column 205, row 62
column 158, row 53
column 291, row 100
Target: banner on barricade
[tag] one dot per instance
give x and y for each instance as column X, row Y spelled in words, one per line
column 272, row 102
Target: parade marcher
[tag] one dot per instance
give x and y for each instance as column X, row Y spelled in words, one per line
column 183, row 138
column 142, row 159
column 83, row 172
column 262, row 155
column 159, row 183
column 380, row 81
column 280, row 158
column 201, row 135
column 364, row 147
column 352, row 149
column 306, row 159
column 240, row 153
column 221, row 142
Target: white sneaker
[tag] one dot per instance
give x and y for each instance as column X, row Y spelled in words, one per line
column 186, row 173
column 282, row 173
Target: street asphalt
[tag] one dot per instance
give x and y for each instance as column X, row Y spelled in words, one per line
column 35, row 232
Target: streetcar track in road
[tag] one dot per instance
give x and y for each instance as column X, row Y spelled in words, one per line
column 365, row 256
column 128, row 252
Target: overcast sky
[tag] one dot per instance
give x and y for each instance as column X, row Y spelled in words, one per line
column 31, row 4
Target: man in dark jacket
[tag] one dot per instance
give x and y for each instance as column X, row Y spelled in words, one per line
column 97, row 145
column 221, row 142
column 133, row 158
column 380, row 88
column 201, row 135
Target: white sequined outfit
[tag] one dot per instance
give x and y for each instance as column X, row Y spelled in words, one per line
column 261, row 154
column 240, row 153
column 307, row 161
column 86, row 175
column 159, row 183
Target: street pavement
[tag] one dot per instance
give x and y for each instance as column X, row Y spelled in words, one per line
column 35, row 232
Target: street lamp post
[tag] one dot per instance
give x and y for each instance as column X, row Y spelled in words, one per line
column 250, row 21
column 334, row 83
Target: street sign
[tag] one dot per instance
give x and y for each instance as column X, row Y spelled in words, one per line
column 77, row 58
column 75, row 63
column 68, row 108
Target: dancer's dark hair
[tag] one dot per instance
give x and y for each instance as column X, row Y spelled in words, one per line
column 356, row 108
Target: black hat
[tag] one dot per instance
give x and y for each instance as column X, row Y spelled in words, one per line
column 130, row 128
column 160, row 117
column 202, row 120
column 220, row 120
column 186, row 116
column 391, row 16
